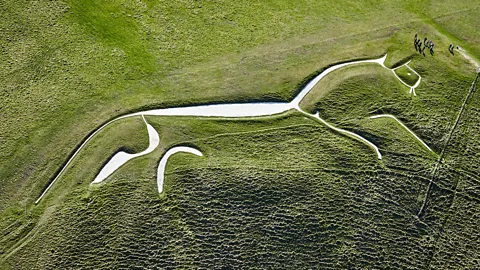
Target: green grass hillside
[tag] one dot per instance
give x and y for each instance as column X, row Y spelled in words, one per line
column 270, row 192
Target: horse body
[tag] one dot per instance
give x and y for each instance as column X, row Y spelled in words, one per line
column 234, row 110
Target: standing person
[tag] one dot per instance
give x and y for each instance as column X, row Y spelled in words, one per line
column 415, row 42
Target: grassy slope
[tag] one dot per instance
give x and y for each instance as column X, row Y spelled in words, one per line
column 71, row 66
column 456, row 243
column 238, row 202
column 378, row 91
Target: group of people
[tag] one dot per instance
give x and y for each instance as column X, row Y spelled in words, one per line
column 450, row 48
column 417, row 43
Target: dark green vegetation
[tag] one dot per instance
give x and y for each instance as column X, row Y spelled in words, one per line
column 273, row 192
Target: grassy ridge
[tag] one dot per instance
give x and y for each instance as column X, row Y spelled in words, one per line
column 239, row 200
column 380, row 92
column 70, row 66
column 459, row 172
column 84, row 75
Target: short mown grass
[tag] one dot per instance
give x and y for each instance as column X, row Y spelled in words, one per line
column 267, row 188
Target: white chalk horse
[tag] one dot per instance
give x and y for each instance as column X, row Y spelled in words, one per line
column 218, row 110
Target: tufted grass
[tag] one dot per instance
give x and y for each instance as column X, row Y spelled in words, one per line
column 268, row 189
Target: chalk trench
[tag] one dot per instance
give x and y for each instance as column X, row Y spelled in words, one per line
column 227, row 111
